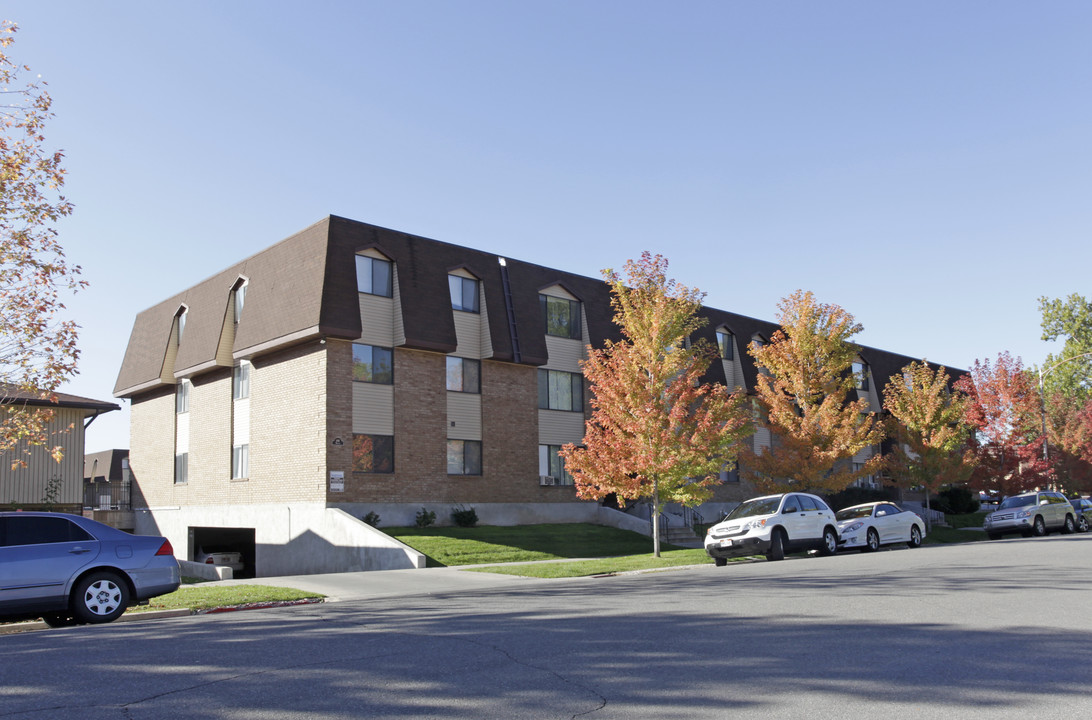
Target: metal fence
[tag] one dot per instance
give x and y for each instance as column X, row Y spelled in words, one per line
column 106, row 496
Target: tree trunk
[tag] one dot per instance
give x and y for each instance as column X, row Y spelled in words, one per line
column 655, row 520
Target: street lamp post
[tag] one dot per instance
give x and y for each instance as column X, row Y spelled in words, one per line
column 1042, row 398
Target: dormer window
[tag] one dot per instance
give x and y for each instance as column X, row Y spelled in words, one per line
column 860, row 375
column 561, row 316
column 726, row 344
column 373, row 276
column 464, row 293
column 182, row 396
column 240, row 299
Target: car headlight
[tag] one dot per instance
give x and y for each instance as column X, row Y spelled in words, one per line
column 755, row 524
column 1026, row 513
column 853, row 527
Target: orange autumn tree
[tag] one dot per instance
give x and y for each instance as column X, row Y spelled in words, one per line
column 803, row 387
column 37, row 347
column 927, row 420
column 656, row 431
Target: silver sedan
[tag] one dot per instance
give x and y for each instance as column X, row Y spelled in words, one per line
column 866, row 527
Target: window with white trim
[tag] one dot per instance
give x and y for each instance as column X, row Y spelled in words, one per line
column 726, row 344
column 550, row 463
column 182, row 396
column 240, row 299
column 240, row 381
column 561, row 316
column 181, row 468
column 240, row 462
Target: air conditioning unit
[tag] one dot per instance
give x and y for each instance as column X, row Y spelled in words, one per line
column 546, row 480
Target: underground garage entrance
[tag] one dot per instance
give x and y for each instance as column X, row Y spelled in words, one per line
column 221, row 544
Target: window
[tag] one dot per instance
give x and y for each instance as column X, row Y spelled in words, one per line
column 464, row 293
column 182, row 396
column 562, row 316
column 372, row 364
column 726, row 344
column 373, row 276
column 240, row 381
column 860, row 374
column 464, row 457
column 40, row 531
column 373, row 453
column 550, row 463
column 464, row 375
column 240, row 462
column 181, row 468
column 559, row 390
column 240, row 300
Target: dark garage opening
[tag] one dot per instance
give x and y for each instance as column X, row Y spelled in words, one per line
column 204, row 540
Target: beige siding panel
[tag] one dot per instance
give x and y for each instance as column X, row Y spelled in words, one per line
column 376, row 320
column 732, row 376
column 373, row 409
column 227, row 335
column 762, row 438
column 461, row 272
column 557, row 427
column 486, row 346
column 399, row 330
column 464, row 416
column 468, row 334
column 565, row 354
column 27, row 486
column 182, row 431
column 240, row 422
column 556, row 291
column 167, row 372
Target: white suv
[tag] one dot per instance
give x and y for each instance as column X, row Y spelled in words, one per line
column 1032, row 513
column 773, row 525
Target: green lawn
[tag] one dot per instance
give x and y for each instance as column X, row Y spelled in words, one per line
column 452, row 546
column 204, row 597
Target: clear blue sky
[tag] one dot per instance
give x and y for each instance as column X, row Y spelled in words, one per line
column 926, row 165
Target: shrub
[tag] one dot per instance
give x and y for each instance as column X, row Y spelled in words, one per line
column 425, row 518
column 372, row 519
column 956, row 500
column 464, row 517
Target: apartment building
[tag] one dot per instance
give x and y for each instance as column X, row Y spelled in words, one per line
column 352, row 369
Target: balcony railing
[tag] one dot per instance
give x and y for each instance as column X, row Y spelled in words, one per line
column 106, row 496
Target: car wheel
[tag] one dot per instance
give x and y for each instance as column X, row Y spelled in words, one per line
column 872, row 541
column 1082, row 524
column 915, row 537
column 830, row 542
column 720, row 562
column 1039, row 528
column 777, row 546
column 58, row 620
column 1069, row 528
column 100, row 598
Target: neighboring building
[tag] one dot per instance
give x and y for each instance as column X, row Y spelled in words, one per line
column 106, row 488
column 352, row 369
column 30, row 487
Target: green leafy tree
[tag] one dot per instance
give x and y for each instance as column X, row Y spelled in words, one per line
column 656, row 432
column 1068, row 372
column 37, row 347
column 927, row 419
column 803, row 388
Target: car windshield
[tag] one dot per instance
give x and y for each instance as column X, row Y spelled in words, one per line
column 1018, row 501
column 854, row 512
column 760, row 506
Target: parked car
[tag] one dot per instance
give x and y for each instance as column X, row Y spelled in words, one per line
column 867, row 527
column 1031, row 513
column 1083, row 508
column 233, row 560
column 69, row 569
column 772, row 526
